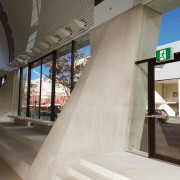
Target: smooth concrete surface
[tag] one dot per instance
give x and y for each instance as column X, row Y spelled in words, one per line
column 97, row 117
column 9, row 96
column 28, row 136
column 112, row 9
column 149, row 40
column 19, row 145
column 4, row 49
column 6, row 173
column 125, row 165
column 82, row 173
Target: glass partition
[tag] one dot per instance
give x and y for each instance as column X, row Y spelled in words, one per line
column 35, row 89
column 46, row 88
column 167, row 110
column 63, row 78
column 24, row 88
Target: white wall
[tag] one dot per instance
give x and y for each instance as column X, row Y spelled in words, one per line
column 108, row 9
column 4, row 50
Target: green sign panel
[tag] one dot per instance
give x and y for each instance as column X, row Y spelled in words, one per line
column 164, row 55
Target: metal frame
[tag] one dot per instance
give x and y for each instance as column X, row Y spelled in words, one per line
column 72, row 65
column 151, row 108
column 54, row 54
column 40, row 90
column 20, row 83
column 53, row 85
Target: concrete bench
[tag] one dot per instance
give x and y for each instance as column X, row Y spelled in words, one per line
column 44, row 125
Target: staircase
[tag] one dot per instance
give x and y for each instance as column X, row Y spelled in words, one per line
column 123, row 166
column 19, row 145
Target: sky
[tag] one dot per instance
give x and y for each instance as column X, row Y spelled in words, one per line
column 170, row 27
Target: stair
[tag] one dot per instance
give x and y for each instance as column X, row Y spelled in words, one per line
column 19, row 146
column 123, row 166
column 82, row 173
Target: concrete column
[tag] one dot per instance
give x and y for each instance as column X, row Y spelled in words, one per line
column 97, row 118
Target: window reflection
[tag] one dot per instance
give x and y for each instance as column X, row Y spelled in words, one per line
column 46, row 88
column 63, row 78
column 24, row 88
column 35, row 89
column 82, row 55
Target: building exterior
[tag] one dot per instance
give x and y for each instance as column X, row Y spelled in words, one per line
column 87, row 69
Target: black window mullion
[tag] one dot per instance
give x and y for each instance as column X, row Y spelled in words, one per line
column 0, row 81
column 53, row 85
column 40, row 90
column 72, row 66
column 20, row 84
column 28, row 91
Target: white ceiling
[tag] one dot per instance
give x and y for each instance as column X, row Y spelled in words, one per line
column 163, row 6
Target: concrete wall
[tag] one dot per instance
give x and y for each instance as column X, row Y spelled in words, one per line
column 4, row 50
column 9, row 96
column 148, row 44
column 97, row 117
column 108, row 9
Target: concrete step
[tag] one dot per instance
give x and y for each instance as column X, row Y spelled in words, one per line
column 17, row 155
column 128, row 166
column 29, row 136
column 82, row 173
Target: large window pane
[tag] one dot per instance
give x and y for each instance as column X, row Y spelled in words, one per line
column 46, row 88
column 35, row 89
column 82, row 55
column 23, row 95
column 63, row 78
column 167, row 110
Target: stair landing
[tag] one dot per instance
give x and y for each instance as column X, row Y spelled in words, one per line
column 127, row 166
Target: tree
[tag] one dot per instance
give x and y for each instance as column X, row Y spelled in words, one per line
column 63, row 69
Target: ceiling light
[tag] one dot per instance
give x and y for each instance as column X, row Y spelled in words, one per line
column 24, row 57
column 63, row 33
column 52, row 40
column 11, row 65
column 19, row 61
column 30, row 53
column 43, row 45
column 75, row 24
column 35, row 50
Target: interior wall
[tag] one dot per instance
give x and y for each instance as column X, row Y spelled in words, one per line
column 9, row 96
column 97, row 117
column 4, row 50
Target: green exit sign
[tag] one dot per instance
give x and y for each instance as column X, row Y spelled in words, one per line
column 164, row 55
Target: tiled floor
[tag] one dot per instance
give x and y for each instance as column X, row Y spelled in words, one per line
column 6, row 173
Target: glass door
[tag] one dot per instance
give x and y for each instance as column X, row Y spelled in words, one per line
column 166, row 127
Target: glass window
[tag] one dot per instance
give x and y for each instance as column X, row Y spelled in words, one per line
column 24, row 88
column 82, row 55
column 46, row 88
column 35, row 89
column 63, row 78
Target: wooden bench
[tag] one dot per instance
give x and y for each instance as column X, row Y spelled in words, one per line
column 44, row 125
